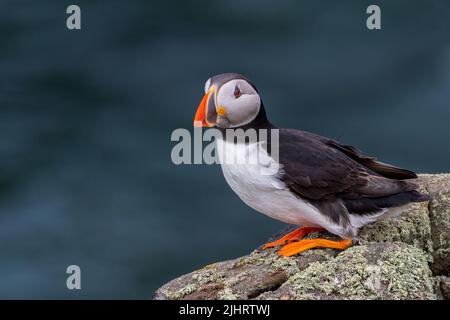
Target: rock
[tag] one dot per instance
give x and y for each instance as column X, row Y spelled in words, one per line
column 445, row 288
column 398, row 258
column 412, row 227
column 438, row 186
column 225, row 280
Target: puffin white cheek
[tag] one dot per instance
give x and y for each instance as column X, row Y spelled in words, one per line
column 243, row 110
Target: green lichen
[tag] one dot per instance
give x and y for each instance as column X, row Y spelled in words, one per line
column 227, row 294
column 208, row 275
column 399, row 273
column 178, row 294
column 440, row 227
column 307, row 296
column 346, row 276
column 440, row 215
column 278, row 262
column 405, row 271
column 270, row 258
column 433, row 183
column 324, row 253
column 412, row 227
column 282, row 263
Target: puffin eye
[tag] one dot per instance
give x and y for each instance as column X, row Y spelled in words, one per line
column 237, row 92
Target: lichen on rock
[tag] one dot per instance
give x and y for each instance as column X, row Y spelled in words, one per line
column 444, row 283
column 374, row 271
column 440, row 226
column 406, row 272
column 412, row 227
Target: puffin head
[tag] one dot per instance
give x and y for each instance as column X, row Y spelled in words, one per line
column 230, row 101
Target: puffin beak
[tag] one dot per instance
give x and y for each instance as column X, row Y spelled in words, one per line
column 206, row 108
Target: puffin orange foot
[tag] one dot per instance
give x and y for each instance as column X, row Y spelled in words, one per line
column 292, row 236
column 306, row 244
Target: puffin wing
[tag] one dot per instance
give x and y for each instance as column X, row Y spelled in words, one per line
column 318, row 168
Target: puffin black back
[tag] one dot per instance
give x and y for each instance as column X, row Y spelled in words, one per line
column 224, row 151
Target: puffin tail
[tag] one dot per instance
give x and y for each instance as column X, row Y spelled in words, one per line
column 375, row 205
column 383, row 169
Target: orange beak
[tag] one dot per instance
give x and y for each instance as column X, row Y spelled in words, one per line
column 200, row 115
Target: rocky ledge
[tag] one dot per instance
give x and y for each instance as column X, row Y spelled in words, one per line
column 407, row 257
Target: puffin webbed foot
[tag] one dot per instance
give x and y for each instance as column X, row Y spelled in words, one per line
column 306, row 244
column 292, row 236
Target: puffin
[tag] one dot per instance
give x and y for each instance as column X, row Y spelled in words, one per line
column 320, row 185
